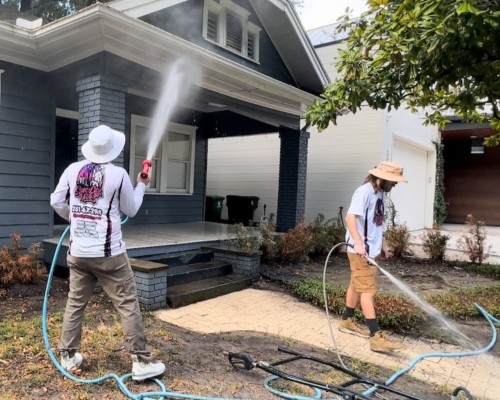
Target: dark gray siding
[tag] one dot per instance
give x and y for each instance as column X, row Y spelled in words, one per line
column 26, row 128
column 186, row 21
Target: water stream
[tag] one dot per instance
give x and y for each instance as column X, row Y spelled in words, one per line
column 178, row 86
column 450, row 328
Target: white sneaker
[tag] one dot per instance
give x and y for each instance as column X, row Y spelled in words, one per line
column 145, row 370
column 68, row 363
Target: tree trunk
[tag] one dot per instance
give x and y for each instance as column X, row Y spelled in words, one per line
column 25, row 5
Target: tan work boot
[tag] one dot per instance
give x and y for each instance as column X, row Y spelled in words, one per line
column 381, row 343
column 350, row 326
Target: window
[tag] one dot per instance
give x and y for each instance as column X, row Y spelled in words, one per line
column 226, row 24
column 172, row 169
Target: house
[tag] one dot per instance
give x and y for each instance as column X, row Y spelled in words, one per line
column 251, row 71
column 471, row 173
column 338, row 159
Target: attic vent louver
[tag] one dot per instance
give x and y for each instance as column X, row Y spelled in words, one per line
column 24, row 23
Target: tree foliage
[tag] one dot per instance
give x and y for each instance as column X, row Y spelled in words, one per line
column 440, row 55
column 50, row 10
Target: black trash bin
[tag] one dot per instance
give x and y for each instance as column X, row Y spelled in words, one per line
column 213, row 208
column 240, row 208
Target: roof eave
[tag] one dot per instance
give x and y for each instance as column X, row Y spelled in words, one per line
column 101, row 28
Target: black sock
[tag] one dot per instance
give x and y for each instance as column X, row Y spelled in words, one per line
column 348, row 313
column 372, row 326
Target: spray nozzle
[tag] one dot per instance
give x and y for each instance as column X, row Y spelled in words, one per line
column 146, row 167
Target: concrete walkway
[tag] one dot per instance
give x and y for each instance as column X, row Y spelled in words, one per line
column 280, row 314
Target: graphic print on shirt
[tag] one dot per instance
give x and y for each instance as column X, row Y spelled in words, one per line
column 378, row 214
column 89, row 189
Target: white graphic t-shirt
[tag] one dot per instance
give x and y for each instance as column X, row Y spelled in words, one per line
column 368, row 207
column 92, row 197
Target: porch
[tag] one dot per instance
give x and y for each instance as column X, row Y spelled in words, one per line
column 144, row 241
column 177, row 264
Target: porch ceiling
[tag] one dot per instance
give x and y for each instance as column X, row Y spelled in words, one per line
column 100, row 28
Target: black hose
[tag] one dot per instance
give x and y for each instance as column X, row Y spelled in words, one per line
column 456, row 392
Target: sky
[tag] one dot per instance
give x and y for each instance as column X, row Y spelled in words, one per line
column 317, row 13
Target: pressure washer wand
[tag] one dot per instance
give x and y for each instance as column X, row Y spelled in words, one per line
column 371, row 261
column 146, row 167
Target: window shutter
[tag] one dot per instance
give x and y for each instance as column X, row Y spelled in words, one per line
column 212, row 26
column 234, row 32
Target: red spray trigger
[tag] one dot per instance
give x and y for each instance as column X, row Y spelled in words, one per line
column 146, row 167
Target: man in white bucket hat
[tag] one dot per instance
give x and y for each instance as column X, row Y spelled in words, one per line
column 91, row 195
column 364, row 234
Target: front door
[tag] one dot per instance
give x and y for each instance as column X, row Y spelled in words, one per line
column 66, row 151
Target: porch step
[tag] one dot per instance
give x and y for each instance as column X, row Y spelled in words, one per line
column 181, row 258
column 183, row 274
column 193, row 292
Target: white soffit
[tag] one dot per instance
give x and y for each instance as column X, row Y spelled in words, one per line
column 139, row 8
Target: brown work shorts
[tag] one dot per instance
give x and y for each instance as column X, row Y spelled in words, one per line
column 363, row 275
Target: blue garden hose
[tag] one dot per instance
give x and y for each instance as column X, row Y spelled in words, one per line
column 491, row 320
column 163, row 393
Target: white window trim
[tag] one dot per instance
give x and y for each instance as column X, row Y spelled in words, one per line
column 173, row 127
column 221, row 9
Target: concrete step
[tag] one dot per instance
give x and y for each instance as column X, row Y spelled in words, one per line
column 189, row 293
column 181, row 258
column 183, row 274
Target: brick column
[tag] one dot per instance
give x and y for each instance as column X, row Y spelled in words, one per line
column 292, row 178
column 101, row 101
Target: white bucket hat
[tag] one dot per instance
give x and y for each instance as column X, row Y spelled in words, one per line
column 104, row 145
column 389, row 170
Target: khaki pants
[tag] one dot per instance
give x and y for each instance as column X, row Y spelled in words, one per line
column 117, row 280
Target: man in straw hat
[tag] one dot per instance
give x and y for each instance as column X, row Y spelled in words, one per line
column 91, row 195
column 364, row 235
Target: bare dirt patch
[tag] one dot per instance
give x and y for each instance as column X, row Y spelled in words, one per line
column 196, row 363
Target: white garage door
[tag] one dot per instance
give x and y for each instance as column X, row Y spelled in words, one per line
column 410, row 198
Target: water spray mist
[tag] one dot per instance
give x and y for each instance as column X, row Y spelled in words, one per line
column 180, row 81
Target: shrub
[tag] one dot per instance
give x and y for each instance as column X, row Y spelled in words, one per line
column 396, row 236
column 459, row 303
column 326, row 234
column 268, row 239
column 295, row 245
column 245, row 239
column 397, row 311
column 397, row 240
column 434, row 243
column 487, row 270
column 439, row 200
column 472, row 242
column 16, row 267
column 311, row 290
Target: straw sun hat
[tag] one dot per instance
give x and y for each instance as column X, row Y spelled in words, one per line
column 104, row 145
column 388, row 170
